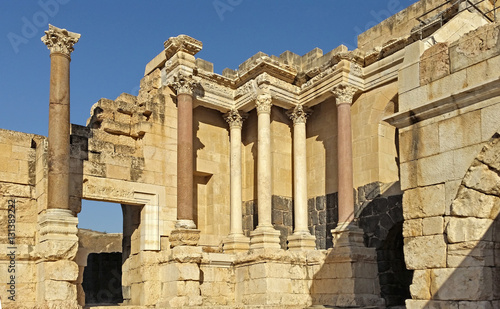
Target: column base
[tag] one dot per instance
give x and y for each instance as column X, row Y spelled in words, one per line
column 58, row 235
column 185, row 224
column 301, row 241
column 264, row 238
column 236, row 243
column 347, row 234
column 184, row 237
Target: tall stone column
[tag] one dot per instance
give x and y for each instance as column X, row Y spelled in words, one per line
column 349, row 254
column 236, row 241
column 344, row 94
column 186, row 233
column 58, row 242
column 60, row 43
column 264, row 236
column 301, row 238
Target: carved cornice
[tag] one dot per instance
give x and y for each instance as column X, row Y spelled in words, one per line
column 182, row 43
column 60, row 40
column 235, row 118
column 299, row 114
column 264, row 103
column 344, row 93
column 183, row 83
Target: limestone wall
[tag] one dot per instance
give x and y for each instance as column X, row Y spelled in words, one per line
column 211, row 149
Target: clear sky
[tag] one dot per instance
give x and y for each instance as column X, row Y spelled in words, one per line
column 120, row 37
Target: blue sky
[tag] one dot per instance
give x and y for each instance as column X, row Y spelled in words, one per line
column 120, row 37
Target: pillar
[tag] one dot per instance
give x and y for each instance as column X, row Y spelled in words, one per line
column 344, row 95
column 236, row 241
column 60, row 43
column 301, row 238
column 349, row 254
column 186, row 233
column 264, row 236
column 57, row 239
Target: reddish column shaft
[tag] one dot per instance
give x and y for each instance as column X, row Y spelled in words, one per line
column 345, row 170
column 59, row 132
column 185, row 157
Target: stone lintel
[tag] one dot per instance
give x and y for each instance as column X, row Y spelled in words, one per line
column 184, row 237
column 182, row 43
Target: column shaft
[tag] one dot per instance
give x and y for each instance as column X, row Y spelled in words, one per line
column 236, row 213
column 300, row 177
column 59, row 132
column 345, row 170
column 185, row 157
column 264, row 171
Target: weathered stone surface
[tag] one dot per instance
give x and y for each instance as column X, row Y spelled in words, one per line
column 468, row 229
column 420, row 287
column 473, row 203
column 418, row 255
column 434, row 63
column 424, row 202
column 472, row 283
column 483, row 179
column 471, row 254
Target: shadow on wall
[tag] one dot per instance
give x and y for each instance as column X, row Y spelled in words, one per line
column 471, row 278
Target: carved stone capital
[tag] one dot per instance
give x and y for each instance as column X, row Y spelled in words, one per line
column 235, row 118
column 182, row 43
column 264, row 103
column 344, row 93
column 299, row 114
column 183, row 83
column 60, row 40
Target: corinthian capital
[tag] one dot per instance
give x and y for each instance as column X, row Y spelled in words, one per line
column 344, row 93
column 299, row 114
column 235, row 118
column 264, row 103
column 60, row 40
column 183, row 83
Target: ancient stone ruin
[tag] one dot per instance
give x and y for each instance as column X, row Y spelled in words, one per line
column 367, row 178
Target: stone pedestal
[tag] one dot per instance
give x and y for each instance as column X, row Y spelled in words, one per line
column 352, row 269
column 236, row 243
column 184, row 237
column 265, row 238
column 299, row 241
column 57, row 248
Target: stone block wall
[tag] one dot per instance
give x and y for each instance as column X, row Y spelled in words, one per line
column 19, row 174
column 211, row 146
column 448, row 204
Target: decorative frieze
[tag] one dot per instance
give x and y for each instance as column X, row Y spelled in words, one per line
column 60, row 40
